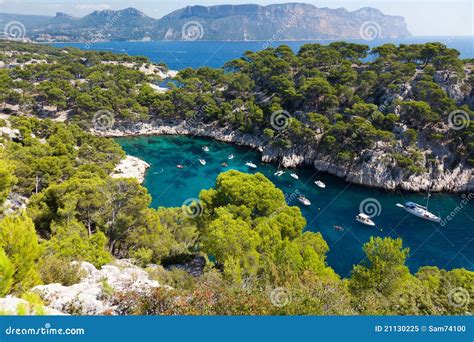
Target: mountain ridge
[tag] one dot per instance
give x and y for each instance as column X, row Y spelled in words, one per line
column 290, row 21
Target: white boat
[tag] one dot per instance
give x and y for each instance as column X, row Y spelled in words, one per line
column 294, row 175
column 251, row 165
column 320, row 184
column 365, row 219
column 279, row 173
column 205, row 149
column 304, row 200
column 420, row 211
column 230, row 157
column 202, row 161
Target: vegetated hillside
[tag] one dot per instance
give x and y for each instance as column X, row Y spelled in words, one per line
column 224, row 22
column 59, row 204
column 402, row 120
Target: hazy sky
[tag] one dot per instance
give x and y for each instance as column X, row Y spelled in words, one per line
column 424, row 17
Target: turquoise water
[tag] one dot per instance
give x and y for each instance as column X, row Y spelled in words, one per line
column 180, row 55
column 430, row 243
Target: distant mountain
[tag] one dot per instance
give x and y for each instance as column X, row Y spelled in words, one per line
column 292, row 21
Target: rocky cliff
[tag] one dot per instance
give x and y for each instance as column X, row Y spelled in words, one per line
column 373, row 168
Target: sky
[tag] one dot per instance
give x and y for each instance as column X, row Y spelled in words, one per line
column 424, row 17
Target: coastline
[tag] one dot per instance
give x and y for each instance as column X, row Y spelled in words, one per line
column 372, row 169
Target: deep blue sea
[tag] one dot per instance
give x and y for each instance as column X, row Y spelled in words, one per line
column 449, row 246
column 181, row 54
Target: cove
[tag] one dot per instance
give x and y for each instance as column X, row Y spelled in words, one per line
column 449, row 246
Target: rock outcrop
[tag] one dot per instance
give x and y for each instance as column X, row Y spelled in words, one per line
column 92, row 296
column 12, row 306
column 131, row 167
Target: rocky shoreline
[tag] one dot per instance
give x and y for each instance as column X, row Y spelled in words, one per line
column 131, row 167
column 373, row 168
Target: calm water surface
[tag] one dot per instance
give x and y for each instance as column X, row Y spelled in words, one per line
column 180, row 55
column 447, row 247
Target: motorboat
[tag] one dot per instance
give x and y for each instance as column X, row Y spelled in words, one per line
column 304, row 200
column 320, row 184
column 279, row 173
column 294, row 175
column 251, row 165
column 179, row 166
column 339, row 228
column 420, row 211
column 230, row 157
column 365, row 219
column 224, row 164
column 202, row 161
column 205, row 149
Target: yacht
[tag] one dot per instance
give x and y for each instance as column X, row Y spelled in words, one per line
column 251, row 165
column 365, row 219
column 279, row 173
column 202, row 161
column 420, row 211
column 304, row 200
column 205, row 149
column 320, row 184
column 230, row 157
column 294, row 175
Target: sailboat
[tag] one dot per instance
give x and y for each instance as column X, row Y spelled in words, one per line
column 419, row 210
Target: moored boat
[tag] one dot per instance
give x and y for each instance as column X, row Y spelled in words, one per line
column 420, row 211
column 279, row 173
column 294, row 175
column 202, row 161
column 365, row 219
column 251, row 165
column 320, row 184
column 338, row 228
column 205, row 149
column 230, row 157
column 304, row 200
